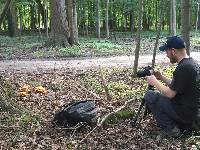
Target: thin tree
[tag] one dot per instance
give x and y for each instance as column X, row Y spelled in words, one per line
column 33, row 16
column 106, row 19
column 46, row 17
column 75, row 24
column 20, row 19
column 185, row 23
column 42, row 12
column 138, row 37
column 159, row 26
column 97, row 19
column 72, row 21
column 5, row 9
column 198, row 14
column 173, row 17
column 197, row 17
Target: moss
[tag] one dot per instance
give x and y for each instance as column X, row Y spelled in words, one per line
column 121, row 115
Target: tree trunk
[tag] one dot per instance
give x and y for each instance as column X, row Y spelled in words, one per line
column 5, row 9
column 159, row 26
column 59, row 26
column 138, row 37
column 46, row 18
column 198, row 15
column 33, row 16
column 20, row 20
column 75, row 22
column 97, row 19
column 42, row 12
column 106, row 19
column 85, row 21
column 132, row 21
column 38, row 21
column 12, row 20
column 185, row 23
column 173, row 17
column 156, row 15
column 72, row 20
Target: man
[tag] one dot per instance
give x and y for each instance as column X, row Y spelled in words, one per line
column 175, row 106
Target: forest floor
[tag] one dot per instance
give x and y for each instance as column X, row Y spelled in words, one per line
column 71, row 79
column 38, row 132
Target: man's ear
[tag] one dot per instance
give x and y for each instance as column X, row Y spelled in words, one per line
column 173, row 51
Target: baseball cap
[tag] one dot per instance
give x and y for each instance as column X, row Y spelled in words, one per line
column 173, row 42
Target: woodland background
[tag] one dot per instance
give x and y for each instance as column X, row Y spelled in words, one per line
column 67, row 29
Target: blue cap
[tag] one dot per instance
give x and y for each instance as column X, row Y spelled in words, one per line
column 173, row 42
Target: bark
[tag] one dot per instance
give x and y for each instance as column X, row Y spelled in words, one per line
column 20, row 20
column 97, row 19
column 159, row 26
column 33, row 16
column 75, row 24
column 12, row 20
column 137, row 49
column 5, row 9
column 46, row 20
column 85, row 20
column 185, row 23
column 72, row 20
column 198, row 16
column 59, row 26
column 132, row 23
column 106, row 19
column 42, row 12
column 173, row 17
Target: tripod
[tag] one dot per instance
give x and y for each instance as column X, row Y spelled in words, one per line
column 142, row 104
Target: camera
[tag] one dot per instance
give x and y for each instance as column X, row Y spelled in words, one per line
column 146, row 71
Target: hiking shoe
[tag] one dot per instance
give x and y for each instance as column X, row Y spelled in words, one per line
column 174, row 132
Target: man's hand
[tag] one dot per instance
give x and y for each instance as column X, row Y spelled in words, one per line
column 158, row 75
column 151, row 80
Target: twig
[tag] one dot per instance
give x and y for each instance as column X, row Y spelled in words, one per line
column 8, row 127
column 108, row 96
column 88, row 134
column 115, row 111
column 54, row 78
column 100, row 123
column 72, row 128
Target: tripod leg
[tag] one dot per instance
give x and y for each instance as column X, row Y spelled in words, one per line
column 134, row 120
column 146, row 111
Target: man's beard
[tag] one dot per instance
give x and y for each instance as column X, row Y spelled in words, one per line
column 173, row 59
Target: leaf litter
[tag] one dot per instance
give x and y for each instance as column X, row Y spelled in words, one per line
column 28, row 132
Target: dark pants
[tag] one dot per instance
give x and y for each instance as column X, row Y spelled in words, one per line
column 162, row 109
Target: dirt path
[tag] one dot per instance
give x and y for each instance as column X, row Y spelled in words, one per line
column 81, row 64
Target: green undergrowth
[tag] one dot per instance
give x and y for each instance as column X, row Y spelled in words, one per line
column 119, row 81
column 25, row 120
column 121, row 115
column 30, row 47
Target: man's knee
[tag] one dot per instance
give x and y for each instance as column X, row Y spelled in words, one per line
column 151, row 97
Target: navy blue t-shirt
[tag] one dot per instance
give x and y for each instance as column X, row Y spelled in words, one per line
column 186, row 82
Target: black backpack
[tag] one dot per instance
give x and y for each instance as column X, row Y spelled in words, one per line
column 74, row 113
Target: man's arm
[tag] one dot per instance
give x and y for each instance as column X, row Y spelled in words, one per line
column 166, row 80
column 160, row 87
column 161, row 77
